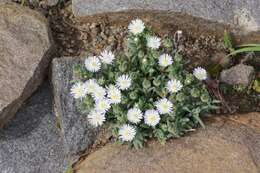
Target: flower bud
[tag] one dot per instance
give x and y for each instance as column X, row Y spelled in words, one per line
column 188, row 79
column 101, row 81
column 195, row 92
column 155, row 53
column 133, row 95
column 167, row 43
column 156, row 82
column 151, row 70
column 205, row 98
column 146, row 84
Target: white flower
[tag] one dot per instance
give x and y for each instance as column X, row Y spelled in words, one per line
column 151, row 117
column 179, row 32
column 102, row 105
column 200, row 73
column 114, row 94
column 164, row 106
column 154, row 42
column 107, row 57
column 173, row 86
column 99, row 93
column 78, row 90
column 92, row 64
column 91, row 86
column 134, row 115
column 96, row 118
column 136, row 26
column 165, row 60
column 123, row 82
column 127, row 132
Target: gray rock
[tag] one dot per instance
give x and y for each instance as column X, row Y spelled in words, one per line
column 242, row 13
column 52, row 2
column 25, row 53
column 239, row 74
column 5, row 1
column 31, row 142
column 78, row 134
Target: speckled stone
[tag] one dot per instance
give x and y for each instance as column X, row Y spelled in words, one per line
column 26, row 49
column 31, row 142
column 242, row 13
column 238, row 75
column 77, row 132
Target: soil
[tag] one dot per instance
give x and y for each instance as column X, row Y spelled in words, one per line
column 200, row 44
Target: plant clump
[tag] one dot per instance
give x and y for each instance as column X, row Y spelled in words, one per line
column 144, row 93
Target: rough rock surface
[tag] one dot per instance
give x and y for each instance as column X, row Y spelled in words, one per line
column 226, row 145
column 31, row 143
column 25, row 51
column 239, row 74
column 52, row 2
column 78, row 134
column 5, row 1
column 243, row 13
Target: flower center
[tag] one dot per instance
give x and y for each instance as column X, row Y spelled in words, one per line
column 152, row 118
column 78, row 91
column 165, row 107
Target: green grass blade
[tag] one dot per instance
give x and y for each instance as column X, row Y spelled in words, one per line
column 246, row 49
column 249, row 45
column 227, row 41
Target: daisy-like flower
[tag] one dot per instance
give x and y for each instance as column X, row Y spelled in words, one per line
column 179, row 32
column 114, row 94
column 200, row 73
column 96, row 118
column 153, row 42
column 127, row 132
column 151, row 117
column 78, row 90
column 123, row 82
column 91, row 86
column 102, row 105
column 92, row 64
column 164, row 106
column 136, row 26
column 134, row 115
column 107, row 57
column 165, row 60
column 99, row 93
column 173, row 86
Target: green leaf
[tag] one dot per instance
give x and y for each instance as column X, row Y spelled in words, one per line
column 196, row 116
column 245, row 49
column 228, row 42
column 256, row 85
column 249, row 45
column 69, row 169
